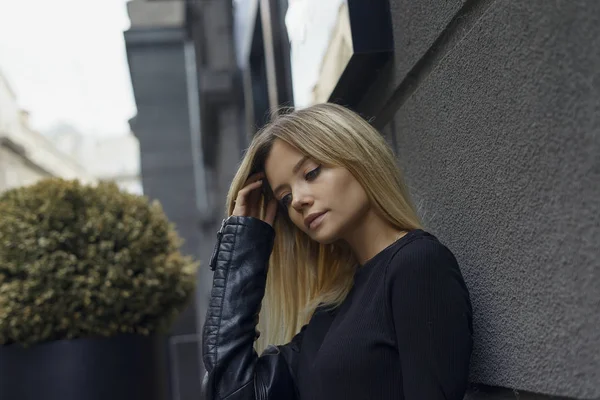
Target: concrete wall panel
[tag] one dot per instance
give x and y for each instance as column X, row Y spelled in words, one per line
column 500, row 145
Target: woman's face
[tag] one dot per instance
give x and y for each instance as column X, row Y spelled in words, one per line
column 325, row 202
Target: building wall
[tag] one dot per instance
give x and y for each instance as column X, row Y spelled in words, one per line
column 222, row 134
column 26, row 156
column 162, row 127
column 15, row 170
column 262, row 49
column 9, row 109
column 336, row 57
column 189, row 126
column 111, row 158
column 492, row 107
column 156, row 50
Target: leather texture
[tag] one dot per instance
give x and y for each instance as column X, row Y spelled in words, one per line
column 234, row 370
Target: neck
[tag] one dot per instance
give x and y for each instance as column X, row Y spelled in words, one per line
column 370, row 236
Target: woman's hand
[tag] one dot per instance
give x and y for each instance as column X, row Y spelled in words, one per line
column 247, row 203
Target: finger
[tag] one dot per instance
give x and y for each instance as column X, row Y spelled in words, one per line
column 249, row 188
column 254, row 198
column 254, row 203
column 242, row 197
column 271, row 212
column 254, row 177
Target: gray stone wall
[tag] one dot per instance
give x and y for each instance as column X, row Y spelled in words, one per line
column 494, row 110
column 162, row 125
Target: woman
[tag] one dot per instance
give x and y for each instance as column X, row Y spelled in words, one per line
column 319, row 203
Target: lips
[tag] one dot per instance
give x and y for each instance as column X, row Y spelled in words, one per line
column 313, row 220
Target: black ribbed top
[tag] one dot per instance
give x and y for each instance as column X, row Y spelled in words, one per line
column 403, row 332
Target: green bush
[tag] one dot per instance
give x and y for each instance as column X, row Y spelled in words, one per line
column 82, row 261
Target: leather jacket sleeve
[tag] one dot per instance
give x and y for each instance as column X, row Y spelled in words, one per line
column 234, row 370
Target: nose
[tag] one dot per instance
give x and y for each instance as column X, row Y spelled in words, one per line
column 301, row 200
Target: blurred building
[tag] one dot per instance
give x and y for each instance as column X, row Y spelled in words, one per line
column 188, row 126
column 202, row 87
column 26, row 156
column 113, row 158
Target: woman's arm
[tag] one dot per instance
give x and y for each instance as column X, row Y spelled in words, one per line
column 431, row 312
column 234, row 370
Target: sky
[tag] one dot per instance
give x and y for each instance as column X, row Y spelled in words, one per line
column 66, row 61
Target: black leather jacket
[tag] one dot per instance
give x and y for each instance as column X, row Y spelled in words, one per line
column 234, row 369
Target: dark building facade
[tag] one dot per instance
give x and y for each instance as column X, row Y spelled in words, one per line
column 190, row 124
column 198, row 104
column 492, row 108
column 163, row 125
column 263, row 58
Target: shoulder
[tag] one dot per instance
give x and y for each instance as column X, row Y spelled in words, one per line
column 424, row 282
column 421, row 258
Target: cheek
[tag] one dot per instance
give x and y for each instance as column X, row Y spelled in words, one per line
column 348, row 201
column 348, row 192
column 354, row 199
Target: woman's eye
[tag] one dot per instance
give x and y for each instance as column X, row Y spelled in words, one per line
column 286, row 200
column 312, row 174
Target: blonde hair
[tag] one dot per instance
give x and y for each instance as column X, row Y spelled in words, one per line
column 304, row 274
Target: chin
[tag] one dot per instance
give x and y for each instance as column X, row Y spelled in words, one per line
column 327, row 241
column 324, row 236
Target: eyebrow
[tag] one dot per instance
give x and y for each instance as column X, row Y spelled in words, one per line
column 294, row 171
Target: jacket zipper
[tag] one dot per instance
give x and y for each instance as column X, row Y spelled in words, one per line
column 213, row 258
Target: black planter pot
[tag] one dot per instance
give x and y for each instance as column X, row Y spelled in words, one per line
column 127, row 367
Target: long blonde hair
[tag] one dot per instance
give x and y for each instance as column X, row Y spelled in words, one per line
column 304, row 274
